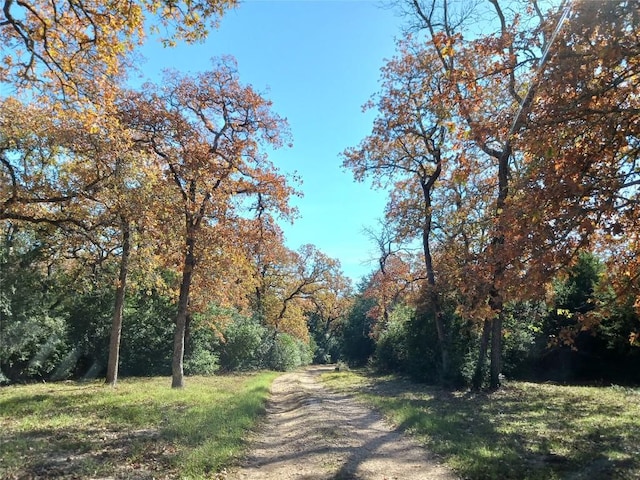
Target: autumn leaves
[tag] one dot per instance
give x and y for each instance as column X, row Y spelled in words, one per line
column 508, row 138
column 171, row 182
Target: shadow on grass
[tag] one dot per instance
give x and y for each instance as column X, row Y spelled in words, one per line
column 71, row 433
column 525, row 431
column 82, row 452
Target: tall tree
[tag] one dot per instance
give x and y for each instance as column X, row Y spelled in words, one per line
column 405, row 152
column 490, row 83
column 560, row 166
column 207, row 134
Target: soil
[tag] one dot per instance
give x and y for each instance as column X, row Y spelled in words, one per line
column 311, row 433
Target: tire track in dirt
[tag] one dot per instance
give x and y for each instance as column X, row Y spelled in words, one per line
column 313, row 434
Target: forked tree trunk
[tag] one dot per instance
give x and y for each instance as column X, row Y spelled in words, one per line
column 116, row 324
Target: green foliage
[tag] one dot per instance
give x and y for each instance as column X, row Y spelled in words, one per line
column 391, row 353
column 357, row 345
column 32, row 326
column 288, row 353
column 201, row 362
column 522, row 326
column 587, row 329
column 325, row 343
column 89, row 316
column 147, row 334
column 245, row 345
column 422, row 346
column 200, row 356
column 136, row 430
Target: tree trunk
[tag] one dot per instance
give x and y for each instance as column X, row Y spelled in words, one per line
column 496, row 301
column 438, row 313
column 177, row 365
column 496, row 351
column 116, row 324
column 436, row 303
column 478, row 376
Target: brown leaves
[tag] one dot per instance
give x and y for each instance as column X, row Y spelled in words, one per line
column 539, row 160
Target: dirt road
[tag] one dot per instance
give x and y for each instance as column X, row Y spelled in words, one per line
column 313, row 434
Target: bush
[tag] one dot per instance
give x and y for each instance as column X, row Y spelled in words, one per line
column 391, row 347
column 244, row 346
column 33, row 331
column 147, row 335
column 288, row 352
column 202, row 362
column 357, row 346
column 285, row 353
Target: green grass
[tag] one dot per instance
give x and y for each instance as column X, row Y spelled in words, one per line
column 140, row 429
column 525, row 431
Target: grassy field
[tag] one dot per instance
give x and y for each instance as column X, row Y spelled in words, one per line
column 525, row 431
column 142, row 429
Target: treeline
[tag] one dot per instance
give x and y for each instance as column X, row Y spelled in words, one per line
column 140, row 225
column 582, row 333
column 508, row 137
column 56, row 316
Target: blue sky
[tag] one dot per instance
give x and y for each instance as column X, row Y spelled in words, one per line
column 319, row 62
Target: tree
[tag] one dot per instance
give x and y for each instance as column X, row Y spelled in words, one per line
column 405, row 151
column 328, row 315
column 206, row 133
column 560, row 169
column 81, row 178
column 74, row 47
column 581, row 148
column 293, row 287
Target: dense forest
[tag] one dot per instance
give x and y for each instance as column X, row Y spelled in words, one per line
column 140, row 227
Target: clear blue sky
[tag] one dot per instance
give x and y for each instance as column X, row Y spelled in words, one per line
column 319, row 62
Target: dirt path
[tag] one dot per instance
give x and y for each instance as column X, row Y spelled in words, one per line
column 314, row 434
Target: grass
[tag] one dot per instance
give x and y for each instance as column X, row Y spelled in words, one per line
column 140, row 429
column 525, row 431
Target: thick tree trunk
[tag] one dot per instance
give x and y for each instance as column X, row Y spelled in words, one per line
column 478, row 376
column 116, row 324
column 177, row 365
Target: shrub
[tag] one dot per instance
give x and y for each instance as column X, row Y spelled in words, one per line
column 288, row 352
column 245, row 345
column 391, row 347
column 202, row 362
column 357, row 346
column 285, row 353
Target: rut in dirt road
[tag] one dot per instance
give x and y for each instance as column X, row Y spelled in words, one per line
column 314, row 434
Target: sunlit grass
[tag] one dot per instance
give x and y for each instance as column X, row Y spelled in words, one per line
column 525, row 431
column 141, row 429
